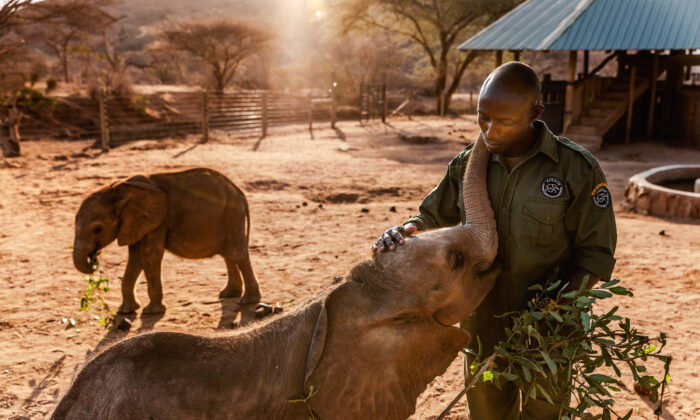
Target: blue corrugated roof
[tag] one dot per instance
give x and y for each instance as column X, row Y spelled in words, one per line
column 593, row 25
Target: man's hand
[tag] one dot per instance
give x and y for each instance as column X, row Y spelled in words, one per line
column 392, row 236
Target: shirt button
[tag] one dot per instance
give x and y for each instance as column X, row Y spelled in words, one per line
column 505, row 211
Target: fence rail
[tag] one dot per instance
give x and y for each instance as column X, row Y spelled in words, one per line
column 118, row 120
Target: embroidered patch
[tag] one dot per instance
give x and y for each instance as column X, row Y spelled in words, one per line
column 601, row 196
column 552, row 187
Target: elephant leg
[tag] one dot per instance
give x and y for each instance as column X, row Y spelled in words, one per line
column 152, row 247
column 234, row 287
column 133, row 269
column 252, row 289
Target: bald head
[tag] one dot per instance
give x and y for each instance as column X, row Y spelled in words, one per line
column 513, row 80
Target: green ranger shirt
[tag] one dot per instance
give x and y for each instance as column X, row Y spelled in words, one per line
column 553, row 211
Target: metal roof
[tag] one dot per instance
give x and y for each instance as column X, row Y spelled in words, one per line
column 593, row 25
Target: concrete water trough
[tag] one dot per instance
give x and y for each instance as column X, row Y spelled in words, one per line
column 667, row 191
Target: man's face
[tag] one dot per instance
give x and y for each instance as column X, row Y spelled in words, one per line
column 504, row 118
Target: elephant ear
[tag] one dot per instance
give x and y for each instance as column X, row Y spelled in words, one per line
column 346, row 302
column 142, row 207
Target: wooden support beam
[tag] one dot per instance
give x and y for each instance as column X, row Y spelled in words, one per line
column 104, row 121
column 499, row 57
column 569, row 103
column 652, row 99
column 585, row 64
column 516, row 55
column 205, row 117
column 630, row 105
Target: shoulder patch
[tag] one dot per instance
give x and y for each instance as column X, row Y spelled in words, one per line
column 601, row 196
column 580, row 150
column 552, row 187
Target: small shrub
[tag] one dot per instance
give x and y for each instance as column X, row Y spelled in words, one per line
column 97, row 284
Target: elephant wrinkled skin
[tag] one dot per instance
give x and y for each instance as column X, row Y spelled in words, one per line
column 369, row 346
column 196, row 213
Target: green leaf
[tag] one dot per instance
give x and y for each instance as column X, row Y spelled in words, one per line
column 602, row 378
column 556, row 316
column 602, row 294
column 535, row 287
column 487, row 376
column 553, row 285
column 585, row 321
column 570, row 295
column 550, row 363
column 545, row 394
column 641, row 368
column 619, row 290
column 609, row 283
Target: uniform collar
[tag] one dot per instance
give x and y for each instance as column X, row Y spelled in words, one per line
column 546, row 143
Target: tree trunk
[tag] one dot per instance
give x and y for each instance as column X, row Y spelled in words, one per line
column 64, row 64
column 10, row 144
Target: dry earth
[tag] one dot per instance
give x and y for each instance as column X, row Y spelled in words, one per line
column 316, row 206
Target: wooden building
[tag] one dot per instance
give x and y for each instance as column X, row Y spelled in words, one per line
column 654, row 44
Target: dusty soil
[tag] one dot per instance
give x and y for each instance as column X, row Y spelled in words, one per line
column 316, row 205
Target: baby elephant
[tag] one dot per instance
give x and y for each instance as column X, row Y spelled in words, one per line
column 196, row 213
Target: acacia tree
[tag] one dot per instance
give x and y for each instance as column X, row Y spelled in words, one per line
column 437, row 26
column 222, row 45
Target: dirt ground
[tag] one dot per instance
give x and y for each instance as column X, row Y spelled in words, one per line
column 316, row 206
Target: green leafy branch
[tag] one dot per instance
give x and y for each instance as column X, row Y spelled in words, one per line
column 97, row 284
column 558, row 344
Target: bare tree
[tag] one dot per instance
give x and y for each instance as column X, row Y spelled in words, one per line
column 437, row 26
column 68, row 23
column 10, row 18
column 222, row 45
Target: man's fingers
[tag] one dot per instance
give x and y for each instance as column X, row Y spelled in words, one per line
column 396, row 235
column 388, row 240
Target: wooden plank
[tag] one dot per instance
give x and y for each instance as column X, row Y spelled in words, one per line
column 630, row 105
column 569, row 103
column 652, row 99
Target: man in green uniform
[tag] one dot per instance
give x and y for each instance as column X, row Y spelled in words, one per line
column 553, row 211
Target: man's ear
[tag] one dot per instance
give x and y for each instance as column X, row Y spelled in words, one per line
column 536, row 112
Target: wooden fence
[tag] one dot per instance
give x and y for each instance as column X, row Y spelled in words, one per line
column 169, row 114
column 245, row 113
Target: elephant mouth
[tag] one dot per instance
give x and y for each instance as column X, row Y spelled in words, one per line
column 446, row 324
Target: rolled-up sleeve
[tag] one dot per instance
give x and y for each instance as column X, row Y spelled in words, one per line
column 590, row 221
column 439, row 208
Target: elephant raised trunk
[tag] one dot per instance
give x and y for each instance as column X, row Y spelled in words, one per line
column 479, row 216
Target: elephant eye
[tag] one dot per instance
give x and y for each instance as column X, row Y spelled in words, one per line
column 456, row 260
column 98, row 230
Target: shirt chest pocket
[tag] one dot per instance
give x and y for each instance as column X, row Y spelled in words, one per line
column 544, row 223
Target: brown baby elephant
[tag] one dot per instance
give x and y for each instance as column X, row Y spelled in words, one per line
column 196, row 213
column 366, row 349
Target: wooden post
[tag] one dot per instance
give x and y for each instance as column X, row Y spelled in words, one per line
column 263, row 107
column 516, row 55
column 333, row 111
column 362, row 90
column 311, row 115
column 104, row 121
column 499, row 57
column 410, row 103
column 569, row 103
column 630, row 106
column 383, row 102
column 585, row 64
column 205, row 117
column 652, row 100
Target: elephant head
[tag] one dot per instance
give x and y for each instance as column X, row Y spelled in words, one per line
column 126, row 210
column 387, row 331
